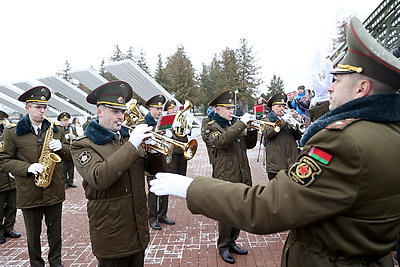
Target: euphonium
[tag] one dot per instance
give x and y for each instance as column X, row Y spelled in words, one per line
column 161, row 144
column 47, row 158
column 133, row 116
column 181, row 130
column 262, row 125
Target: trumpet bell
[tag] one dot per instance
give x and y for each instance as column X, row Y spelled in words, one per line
column 190, row 149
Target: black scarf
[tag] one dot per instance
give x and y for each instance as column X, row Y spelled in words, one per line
column 272, row 117
column 100, row 135
column 221, row 121
column 24, row 126
column 375, row 108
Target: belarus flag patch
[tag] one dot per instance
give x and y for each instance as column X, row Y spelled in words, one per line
column 320, row 155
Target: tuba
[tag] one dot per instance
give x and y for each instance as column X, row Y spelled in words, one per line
column 181, row 130
column 161, row 144
column 47, row 158
column 262, row 125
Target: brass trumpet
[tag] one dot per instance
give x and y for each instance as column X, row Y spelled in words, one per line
column 262, row 125
column 163, row 145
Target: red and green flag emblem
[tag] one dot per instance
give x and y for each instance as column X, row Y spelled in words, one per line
column 259, row 110
column 320, row 155
column 166, row 122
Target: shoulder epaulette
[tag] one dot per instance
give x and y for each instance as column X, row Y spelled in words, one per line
column 210, row 122
column 339, row 125
column 11, row 126
column 57, row 123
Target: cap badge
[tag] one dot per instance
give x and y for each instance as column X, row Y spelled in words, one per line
column 120, row 99
column 122, row 85
column 42, row 90
column 43, row 98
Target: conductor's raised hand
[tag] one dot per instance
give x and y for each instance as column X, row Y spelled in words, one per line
column 170, row 184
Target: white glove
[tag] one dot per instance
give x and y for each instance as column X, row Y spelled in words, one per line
column 55, row 145
column 187, row 131
column 168, row 133
column 176, row 124
column 67, row 136
column 35, row 168
column 247, row 117
column 170, row 184
column 139, row 133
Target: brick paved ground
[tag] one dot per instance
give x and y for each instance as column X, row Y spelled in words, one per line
column 190, row 242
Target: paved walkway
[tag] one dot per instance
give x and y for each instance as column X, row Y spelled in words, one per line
column 190, row 242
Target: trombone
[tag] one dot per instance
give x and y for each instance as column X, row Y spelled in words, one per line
column 262, row 125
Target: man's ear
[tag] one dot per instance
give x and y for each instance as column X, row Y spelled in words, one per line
column 364, row 88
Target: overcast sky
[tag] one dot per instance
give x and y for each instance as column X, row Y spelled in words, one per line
column 38, row 36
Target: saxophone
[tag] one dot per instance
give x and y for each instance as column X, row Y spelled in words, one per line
column 47, row 158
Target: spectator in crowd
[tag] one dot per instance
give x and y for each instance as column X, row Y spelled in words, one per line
column 299, row 101
column 77, row 126
column 328, row 198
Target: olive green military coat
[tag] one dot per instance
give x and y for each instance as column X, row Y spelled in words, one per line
column 229, row 147
column 114, row 185
column 280, row 147
column 21, row 149
column 334, row 205
column 6, row 182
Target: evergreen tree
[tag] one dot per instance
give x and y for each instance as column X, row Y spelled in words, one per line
column 180, row 78
column 206, row 88
column 248, row 72
column 129, row 54
column 159, row 75
column 142, row 63
column 276, row 86
column 65, row 72
column 117, row 55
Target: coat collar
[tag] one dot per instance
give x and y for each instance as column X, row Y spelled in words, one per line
column 221, row 121
column 24, row 126
column 100, row 135
column 375, row 108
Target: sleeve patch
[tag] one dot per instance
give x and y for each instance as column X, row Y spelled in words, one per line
column 320, row 155
column 2, row 145
column 84, row 158
column 305, row 171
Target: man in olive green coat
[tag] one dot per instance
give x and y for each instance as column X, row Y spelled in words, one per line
column 112, row 164
column 8, row 195
column 23, row 146
column 340, row 198
column 280, row 146
column 229, row 141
